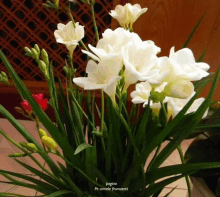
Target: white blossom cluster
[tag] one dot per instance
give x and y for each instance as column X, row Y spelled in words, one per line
column 121, row 54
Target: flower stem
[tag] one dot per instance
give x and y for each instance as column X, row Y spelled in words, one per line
column 186, row 177
column 102, row 120
column 94, row 23
column 74, row 25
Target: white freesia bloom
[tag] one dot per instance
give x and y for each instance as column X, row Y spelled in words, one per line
column 101, row 76
column 177, row 104
column 178, row 82
column 185, row 58
column 68, row 35
column 142, row 94
column 111, row 43
column 174, row 105
column 127, row 14
column 139, row 59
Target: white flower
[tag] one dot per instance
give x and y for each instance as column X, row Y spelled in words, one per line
column 101, row 76
column 174, row 105
column 142, row 94
column 68, row 35
column 139, row 59
column 185, row 58
column 127, row 14
column 177, row 104
column 178, row 82
column 111, row 43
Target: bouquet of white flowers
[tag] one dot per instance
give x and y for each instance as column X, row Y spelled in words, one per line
column 108, row 159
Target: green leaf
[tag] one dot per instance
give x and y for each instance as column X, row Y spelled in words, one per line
column 81, row 147
column 31, row 179
column 41, row 174
column 3, row 194
column 28, row 137
column 167, row 195
column 202, row 56
column 152, row 189
column 157, row 193
column 59, row 193
column 193, row 31
column 44, row 119
column 187, row 127
column 155, row 140
column 162, row 172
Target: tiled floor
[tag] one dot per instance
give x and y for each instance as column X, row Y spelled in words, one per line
column 8, row 164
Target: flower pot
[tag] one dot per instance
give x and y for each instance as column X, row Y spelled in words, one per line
column 200, row 188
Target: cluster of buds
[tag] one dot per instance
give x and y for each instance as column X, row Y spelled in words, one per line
column 28, row 146
column 52, row 5
column 35, row 53
column 4, row 78
column 69, row 71
column 47, row 141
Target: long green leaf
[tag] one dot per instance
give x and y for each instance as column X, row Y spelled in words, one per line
column 157, row 139
column 158, row 173
column 158, row 186
column 28, row 137
column 44, row 119
column 59, row 193
column 188, row 127
column 31, row 179
column 41, row 174
column 193, row 31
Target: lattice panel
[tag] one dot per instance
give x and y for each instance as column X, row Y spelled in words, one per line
column 26, row 22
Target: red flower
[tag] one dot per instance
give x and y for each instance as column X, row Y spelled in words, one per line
column 40, row 100
column 26, row 106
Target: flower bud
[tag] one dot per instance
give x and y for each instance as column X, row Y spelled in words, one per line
column 49, row 142
column 31, row 147
column 23, row 144
column 34, row 53
column 19, row 110
column 36, row 47
column 28, row 51
column 45, row 57
column 5, row 80
column 17, row 155
column 42, row 133
column 42, row 66
column 156, row 97
column 65, row 70
column 4, row 74
column 1, row 78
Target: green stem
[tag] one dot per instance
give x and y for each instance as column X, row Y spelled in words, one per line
column 71, row 17
column 186, row 177
column 154, row 157
column 94, row 23
column 102, row 120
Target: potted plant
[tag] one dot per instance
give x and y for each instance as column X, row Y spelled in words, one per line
column 205, row 148
column 110, row 160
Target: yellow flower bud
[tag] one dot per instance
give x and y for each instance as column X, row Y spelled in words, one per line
column 17, row 155
column 42, row 133
column 23, row 144
column 36, row 47
column 49, row 142
column 31, row 147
